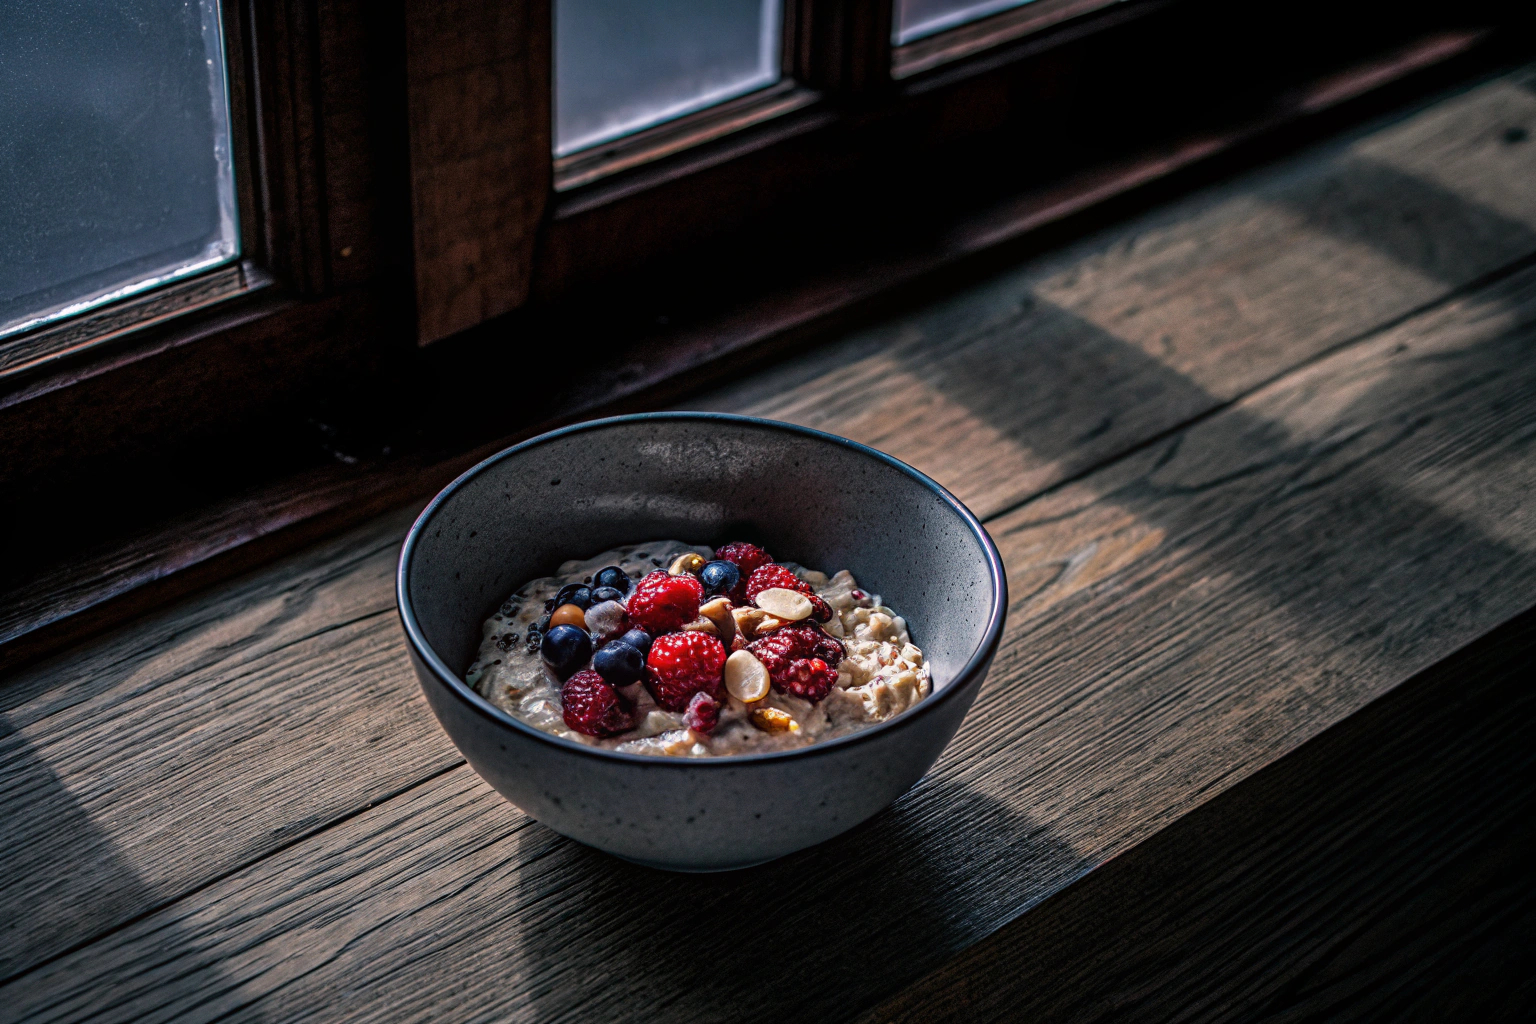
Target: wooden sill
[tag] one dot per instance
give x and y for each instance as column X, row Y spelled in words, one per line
column 684, row 133
column 946, row 47
column 96, row 588
column 33, row 350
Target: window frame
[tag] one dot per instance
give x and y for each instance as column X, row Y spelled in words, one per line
column 338, row 293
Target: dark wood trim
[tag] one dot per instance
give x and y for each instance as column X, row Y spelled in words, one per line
column 28, row 352
column 478, row 80
column 682, row 134
column 1380, row 871
column 1004, row 27
column 84, row 591
column 287, row 125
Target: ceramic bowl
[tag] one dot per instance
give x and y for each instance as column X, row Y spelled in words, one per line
column 810, row 497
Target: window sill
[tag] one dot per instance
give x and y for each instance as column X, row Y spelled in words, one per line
column 85, row 590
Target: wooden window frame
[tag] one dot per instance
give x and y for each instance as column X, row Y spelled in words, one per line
column 402, row 231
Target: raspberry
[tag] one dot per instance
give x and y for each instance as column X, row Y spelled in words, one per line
column 746, row 557
column 777, row 576
column 683, row 664
column 662, row 603
column 801, row 659
column 810, row 678
column 589, row 705
column 703, row 713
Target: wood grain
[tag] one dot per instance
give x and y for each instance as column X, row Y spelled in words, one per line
column 1053, row 367
column 205, row 740
column 1183, row 617
column 1196, row 247
column 1379, row 871
column 478, row 79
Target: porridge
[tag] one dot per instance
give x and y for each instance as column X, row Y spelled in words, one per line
column 673, row 649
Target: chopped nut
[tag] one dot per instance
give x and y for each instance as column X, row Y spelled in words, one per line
column 754, row 622
column 568, row 615
column 688, row 562
column 701, row 625
column 746, row 678
column 774, row 720
column 782, row 603
column 718, row 611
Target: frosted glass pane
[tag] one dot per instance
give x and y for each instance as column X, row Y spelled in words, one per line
column 624, row 65
column 918, row 18
column 114, row 151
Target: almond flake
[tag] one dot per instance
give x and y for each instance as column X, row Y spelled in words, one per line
column 786, row 604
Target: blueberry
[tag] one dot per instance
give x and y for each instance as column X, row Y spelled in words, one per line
column 614, row 577
column 639, row 639
column 719, row 577
column 578, row 594
column 565, row 649
column 601, row 594
column 619, row 663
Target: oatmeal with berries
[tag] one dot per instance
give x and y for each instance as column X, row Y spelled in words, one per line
column 673, row 649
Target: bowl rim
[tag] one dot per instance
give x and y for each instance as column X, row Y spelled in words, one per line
column 979, row 659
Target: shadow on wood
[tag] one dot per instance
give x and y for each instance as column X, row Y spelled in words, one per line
column 1381, row 871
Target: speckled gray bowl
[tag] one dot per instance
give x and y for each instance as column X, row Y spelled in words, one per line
column 810, row 497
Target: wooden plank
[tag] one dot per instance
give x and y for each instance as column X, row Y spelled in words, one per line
column 1380, row 871
column 479, row 105
column 203, row 739
column 1183, row 617
column 1011, row 387
column 164, row 670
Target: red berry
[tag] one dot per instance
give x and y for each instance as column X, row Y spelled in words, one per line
column 810, row 678
column 746, row 557
column 683, row 664
column 589, row 705
column 770, row 577
column 703, row 713
column 662, row 603
column 783, row 651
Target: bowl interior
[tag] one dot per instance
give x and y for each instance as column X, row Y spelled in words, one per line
column 807, row 498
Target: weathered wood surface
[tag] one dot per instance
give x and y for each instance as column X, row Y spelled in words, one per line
column 1052, row 368
column 1176, row 646
column 1381, row 871
column 191, row 795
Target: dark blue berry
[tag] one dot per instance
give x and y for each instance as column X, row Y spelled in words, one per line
column 565, row 649
column 601, row 594
column 619, row 663
column 719, row 577
column 578, row 594
column 614, row 577
column 639, row 639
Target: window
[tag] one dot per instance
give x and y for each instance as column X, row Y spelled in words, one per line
column 918, row 19
column 330, row 185
column 233, row 232
column 625, row 65
column 115, row 166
